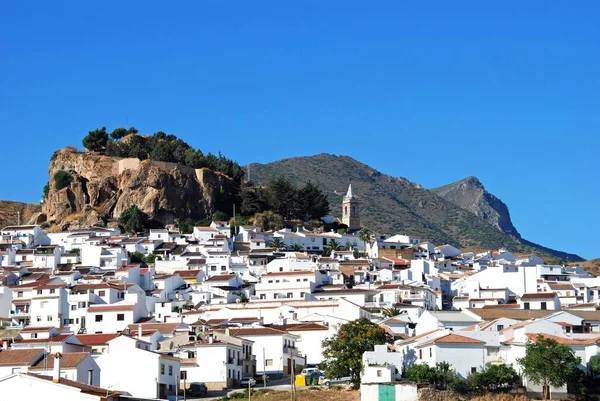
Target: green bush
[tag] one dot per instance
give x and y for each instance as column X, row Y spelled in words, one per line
column 62, row 179
column 493, row 378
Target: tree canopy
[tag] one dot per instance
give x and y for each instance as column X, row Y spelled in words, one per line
column 62, row 179
column 125, row 142
column 133, row 220
column 343, row 352
column 280, row 195
column 548, row 363
column 96, row 140
column 494, row 378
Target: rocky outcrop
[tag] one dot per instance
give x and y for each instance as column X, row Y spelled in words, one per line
column 470, row 195
column 12, row 213
column 103, row 187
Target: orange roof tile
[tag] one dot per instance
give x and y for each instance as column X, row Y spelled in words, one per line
column 452, row 338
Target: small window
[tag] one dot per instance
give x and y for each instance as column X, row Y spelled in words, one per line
column 420, row 354
column 526, row 305
column 101, row 293
column 162, row 368
column 39, row 292
column 379, row 374
column 170, row 370
column 120, row 317
column 52, row 291
column 49, row 318
column 473, row 369
column 38, row 319
column 268, row 362
column 98, row 318
column 500, row 327
column 543, row 306
column 431, row 352
column 73, row 307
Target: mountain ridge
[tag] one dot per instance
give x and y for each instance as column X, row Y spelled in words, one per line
column 396, row 204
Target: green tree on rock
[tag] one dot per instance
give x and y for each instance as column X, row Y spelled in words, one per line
column 133, row 220
column 343, row 352
column 96, row 140
column 62, row 179
column 548, row 363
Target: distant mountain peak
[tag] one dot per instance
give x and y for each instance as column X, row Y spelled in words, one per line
column 470, row 194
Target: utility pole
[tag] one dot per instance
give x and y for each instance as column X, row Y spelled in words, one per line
column 264, row 370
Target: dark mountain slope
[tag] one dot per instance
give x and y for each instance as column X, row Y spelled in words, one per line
column 396, row 205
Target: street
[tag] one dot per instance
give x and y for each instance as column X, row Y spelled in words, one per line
column 279, row 384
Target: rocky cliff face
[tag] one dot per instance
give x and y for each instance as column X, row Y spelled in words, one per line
column 103, row 187
column 470, row 195
column 12, row 213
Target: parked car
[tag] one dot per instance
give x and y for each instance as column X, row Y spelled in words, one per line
column 260, row 378
column 313, row 372
column 337, row 380
column 247, row 381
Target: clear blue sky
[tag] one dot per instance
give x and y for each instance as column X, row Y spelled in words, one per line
column 506, row 92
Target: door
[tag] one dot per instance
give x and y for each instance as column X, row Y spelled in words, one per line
column 387, row 393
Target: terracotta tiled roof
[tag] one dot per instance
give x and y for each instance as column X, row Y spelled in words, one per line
column 452, row 338
column 256, row 331
column 31, row 329
column 205, row 229
column 566, row 341
column 95, row 339
column 110, row 308
column 69, row 360
column 187, row 273
column 20, row 356
column 560, row 286
column 300, row 327
column 539, row 295
column 221, row 277
column 502, row 306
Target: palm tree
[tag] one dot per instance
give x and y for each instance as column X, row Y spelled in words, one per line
column 276, row 243
column 365, row 236
column 333, row 246
column 391, row 312
column 297, row 247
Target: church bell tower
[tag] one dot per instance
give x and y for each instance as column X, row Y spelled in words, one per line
column 350, row 211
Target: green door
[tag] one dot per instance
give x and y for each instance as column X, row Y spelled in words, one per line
column 387, row 393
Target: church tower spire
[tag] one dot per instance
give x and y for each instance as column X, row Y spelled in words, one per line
column 350, row 210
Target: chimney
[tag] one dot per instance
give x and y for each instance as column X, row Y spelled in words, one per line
column 140, row 330
column 56, row 372
column 227, row 331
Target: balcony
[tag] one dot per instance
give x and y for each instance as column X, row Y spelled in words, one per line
column 230, row 361
column 20, row 312
column 240, row 362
